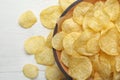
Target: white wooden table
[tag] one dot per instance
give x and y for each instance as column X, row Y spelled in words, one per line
column 12, row 37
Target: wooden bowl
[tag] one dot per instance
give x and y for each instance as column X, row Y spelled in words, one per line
column 66, row 14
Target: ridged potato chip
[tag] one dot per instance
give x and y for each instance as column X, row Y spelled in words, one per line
column 80, row 11
column 57, row 40
column 70, row 26
column 53, row 73
column 68, row 43
column 27, row 19
column 45, row 57
column 34, row 44
column 30, row 71
column 50, row 16
column 112, row 9
column 65, row 3
column 80, row 68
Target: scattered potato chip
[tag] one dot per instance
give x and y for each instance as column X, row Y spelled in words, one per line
column 53, row 73
column 30, row 71
column 65, row 3
column 116, row 75
column 27, row 19
column 34, row 44
column 45, row 57
column 70, row 26
column 80, row 11
column 117, row 64
column 50, row 16
column 117, row 23
column 80, row 68
column 97, row 76
column 57, row 40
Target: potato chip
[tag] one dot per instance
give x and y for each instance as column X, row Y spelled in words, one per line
column 80, row 11
column 117, row 23
column 49, row 39
column 70, row 26
column 45, row 57
column 50, row 16
column 57, row 40
column 65, row 3
column 80, row 68
column 117, row 63
column 53, row 73
column 97, row 76
column 112, row 9
column 34, row 44
column 27, row 19
column 64, row 58
column 109, row 42
column 30, row 71
column 68, row 43
column 116, row 75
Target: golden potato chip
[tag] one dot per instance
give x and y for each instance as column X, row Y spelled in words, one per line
column 27, row 19
column 30, row 71
column 70, row 26
column 65, row 3
column 50, row 16
column 34, row 44
column 49, row 39
column 97, row 76
column 80, row 11
column 68, row 43
column 112, row 9
column 80, row 68
column 45, row 57
column 109, row 42
column 64, row 58
column 57, row 40
column 117, row 63
column 117, row 23
column 53, row 73
column 99, row 5
column 116, row 75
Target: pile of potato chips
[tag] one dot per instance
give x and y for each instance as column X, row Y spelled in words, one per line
column 89, row 41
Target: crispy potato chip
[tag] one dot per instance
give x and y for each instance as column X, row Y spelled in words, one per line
column 109, row 42
column 97, row 76
column 34, row 44
column 53, row 73
column 70, row 26
column 64, row 58
column 80, row 68
column 80, row 11
column 68, row 43
column 27, row 19
column 30, row 71
column 50, row 16
column 45, row 57
column 117, row 63
column 116, row 75
column 99, row 5
column 57, row 40
column 112, row 9
column 49, row 39
column 65, row 3
column 117, row 23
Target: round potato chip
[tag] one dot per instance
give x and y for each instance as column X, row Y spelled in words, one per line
column 34, row 44
column 30, row 71
column 70, row 26
column 27, row 19
column 50, row 16
column 80, row 11
column 68, row 43
column 53, row 73
column 45, row 57
column 57, row 40
column 80, row 68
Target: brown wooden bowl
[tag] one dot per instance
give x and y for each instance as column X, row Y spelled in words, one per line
column 66, row 14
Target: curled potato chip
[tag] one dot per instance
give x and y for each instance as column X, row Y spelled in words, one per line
column 57, row 40
column 30, row 71
column 112, row 9
column 80, row 11
column 27, row 19
column 70, row 26
column 53, row 73
column 65, row 3
column 68, row 43
column 34, row 44
column 80, row 68
column 50, row 16
column 45, row 57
